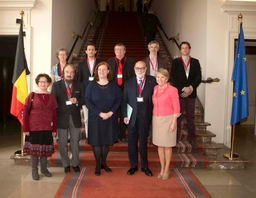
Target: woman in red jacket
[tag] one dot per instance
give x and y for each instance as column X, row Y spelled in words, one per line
column 166, row 110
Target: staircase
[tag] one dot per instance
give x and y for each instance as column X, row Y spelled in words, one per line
column 125, row 27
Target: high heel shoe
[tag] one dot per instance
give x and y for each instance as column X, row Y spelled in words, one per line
column 166, row 177
column 106, row 168
column 97, row 171
column 159, row 176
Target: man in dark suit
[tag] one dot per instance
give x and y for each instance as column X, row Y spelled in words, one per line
column 70, row 97
column 186, row 77
column 123, row 69
column 85, row 74
column 138, row 95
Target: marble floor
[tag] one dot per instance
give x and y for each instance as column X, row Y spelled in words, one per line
column 16, row 180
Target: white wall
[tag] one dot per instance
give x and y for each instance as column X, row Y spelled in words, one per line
column 52, row 24
column 69, row 16
column 211, row 27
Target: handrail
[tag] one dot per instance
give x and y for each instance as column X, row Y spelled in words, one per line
column 175, row 39
column 77, row 36
column 210, row 80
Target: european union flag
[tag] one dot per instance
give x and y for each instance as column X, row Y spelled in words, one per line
column 240, row 108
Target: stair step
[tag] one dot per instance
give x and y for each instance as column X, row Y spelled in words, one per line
column 120, row 159
column 181, row 147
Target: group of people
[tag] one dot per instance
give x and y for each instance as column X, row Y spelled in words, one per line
column 117, row 95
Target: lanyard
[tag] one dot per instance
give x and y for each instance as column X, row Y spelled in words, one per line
column 184, row 64
column 152, row 65
column 69, row 89
column 140, row 88
column 89, row 65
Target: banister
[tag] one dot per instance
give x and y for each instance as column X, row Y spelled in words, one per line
column 210, row 80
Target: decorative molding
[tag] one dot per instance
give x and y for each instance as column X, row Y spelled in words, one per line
column 232, row 7
column 17, row 4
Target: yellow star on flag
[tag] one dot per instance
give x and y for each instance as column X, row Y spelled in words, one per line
column 242, row 92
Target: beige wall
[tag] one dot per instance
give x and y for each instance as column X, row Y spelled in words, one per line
column 211, row 27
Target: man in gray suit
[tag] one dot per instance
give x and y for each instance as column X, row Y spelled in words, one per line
column 70, row 97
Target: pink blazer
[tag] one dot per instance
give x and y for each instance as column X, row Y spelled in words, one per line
column 166, row 102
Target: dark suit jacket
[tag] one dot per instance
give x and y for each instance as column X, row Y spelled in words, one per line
column 83, row 72
column 130, row 97
column 179, row 78
column 63, row 110
column 128, row 69
column 161, row 63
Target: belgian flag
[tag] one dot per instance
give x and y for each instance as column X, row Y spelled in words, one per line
column 20, row 88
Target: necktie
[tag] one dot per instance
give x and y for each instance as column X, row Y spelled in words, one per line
column 119, row 71
column 140, row 81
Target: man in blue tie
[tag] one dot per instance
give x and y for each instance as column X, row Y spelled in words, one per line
column 137, row 96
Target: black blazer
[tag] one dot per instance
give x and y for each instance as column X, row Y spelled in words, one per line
column 179, row 79
column 128, row 69
column 83, row 72
column 161, row 63
column 63, row 110
column 130, row 95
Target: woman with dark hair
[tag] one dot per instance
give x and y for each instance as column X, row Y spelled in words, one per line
column 102, row 97
column 39, row 125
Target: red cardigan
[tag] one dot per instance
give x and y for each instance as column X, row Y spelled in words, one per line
column 42, row 114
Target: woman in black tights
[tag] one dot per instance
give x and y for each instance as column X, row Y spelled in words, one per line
column 102, row 98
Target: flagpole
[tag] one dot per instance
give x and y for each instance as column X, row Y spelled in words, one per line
column 20, row 152
column 231, row 155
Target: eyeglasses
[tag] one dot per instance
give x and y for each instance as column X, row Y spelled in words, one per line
column 140, row 68
column 42, row 82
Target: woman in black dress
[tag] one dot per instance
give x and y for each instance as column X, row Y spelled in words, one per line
column 102, row 98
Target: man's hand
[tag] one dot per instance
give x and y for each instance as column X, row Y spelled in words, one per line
column 186, row 92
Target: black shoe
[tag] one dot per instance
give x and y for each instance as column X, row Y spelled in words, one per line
column 147, row 171
column 106, row 168
column 124, row 140
column 193, row 143
column 76, row 169
column 131, row 171
column 97, row 171
column 67, row 169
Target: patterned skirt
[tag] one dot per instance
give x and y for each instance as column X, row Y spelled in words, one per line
column 39, row 143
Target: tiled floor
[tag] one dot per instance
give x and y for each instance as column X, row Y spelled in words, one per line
column 16, row 181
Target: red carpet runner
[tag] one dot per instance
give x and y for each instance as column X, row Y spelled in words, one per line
column 182, row 183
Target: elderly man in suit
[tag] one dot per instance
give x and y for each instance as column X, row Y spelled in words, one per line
column 70, row 97
column 137, row 96
column 186, row 77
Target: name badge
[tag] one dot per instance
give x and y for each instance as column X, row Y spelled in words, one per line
column 91, row 78
column 119, row 75
column 68, row 102
column 139, row 99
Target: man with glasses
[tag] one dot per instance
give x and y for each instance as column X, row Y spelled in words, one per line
column 137, row 100
column 123, row 69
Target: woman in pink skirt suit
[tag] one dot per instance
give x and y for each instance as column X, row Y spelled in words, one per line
column 166, row 110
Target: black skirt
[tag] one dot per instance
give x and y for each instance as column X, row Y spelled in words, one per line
column 39, row 143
